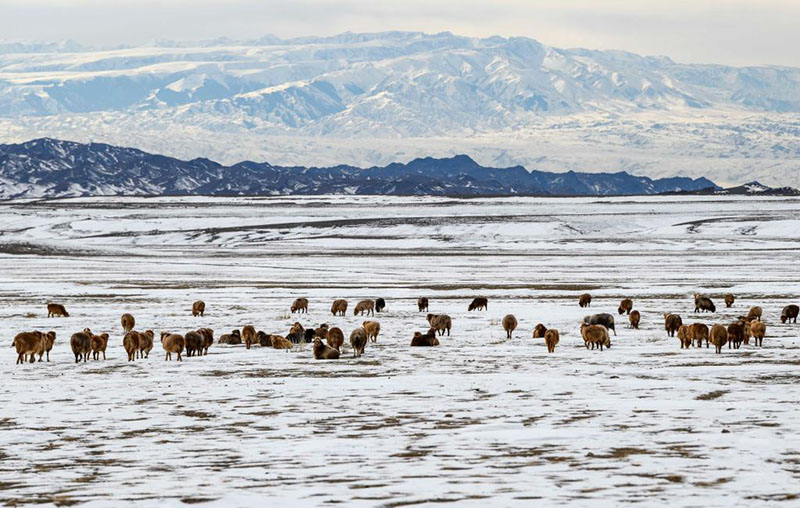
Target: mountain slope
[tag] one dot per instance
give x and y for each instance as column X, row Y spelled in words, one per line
column 53, row 168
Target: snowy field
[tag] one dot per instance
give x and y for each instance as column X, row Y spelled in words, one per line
column 480, row 419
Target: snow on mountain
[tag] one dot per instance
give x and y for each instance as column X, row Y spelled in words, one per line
column 374, row 98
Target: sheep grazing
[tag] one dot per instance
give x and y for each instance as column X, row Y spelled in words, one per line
column 754, row 314
column 300, row 306
column 193, row 342
column 759, row 330
column 718, row 336
column 146, row 343
column 364, row 306
column 729, row 299
column 789, row 313
column 358, row 340
column 27, row 345
column 422, row 304
column 339, row 307
column 234, row 338
column 427, row 340
column 699, row 332
column 634, row 318
column 248, row 335
column 172, row 343
column 735, row 334
column 208, row 338
column 380, row 304
column 198, row 308
column 131, row 344
column 509, row 324
column 596, row 335
column 373, row 328
column 479, row 304
column 551, row 339
column 685, row 336
column 81, row 344
column 585, row 300
column 703, row 304
column 607, row 320
column 324, row 352
column 98, row 345
column 279, row 342
column 56, row 310
column 625, row 306
column 671, row 323
column 539, row 330
column 336, row 338
column 440, row 323
column 127, row 322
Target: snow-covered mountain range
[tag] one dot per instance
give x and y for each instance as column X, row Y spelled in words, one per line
column 377, row 98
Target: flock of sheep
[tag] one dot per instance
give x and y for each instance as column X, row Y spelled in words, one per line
column 594, row 331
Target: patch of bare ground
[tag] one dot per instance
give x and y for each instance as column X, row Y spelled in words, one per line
column 711, row 395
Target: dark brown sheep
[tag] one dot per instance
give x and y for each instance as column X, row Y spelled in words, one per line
column 753, row 315
column 735, row 334
column 729, row 299
column 336, row 338
column 324, row 352
column 300, row 306
column 56, row 309
column 480, row 303
column 339, row 307
column 234, row 338
column 208, row 338
column 718, row 337
column 198, row 308
column 634, row 319
column 671, row 323
column 625, row 306
column 358, row 340
column 539, row 330
column 380, row 304
column 703, row 304
column 551, row 339
column 699, row 333
column 509, row 325
column 427, row 340
column 193, row 342
column 789, row 313
column 585, row 300
column 422, row 304
column 81, row 344
column 248, row 335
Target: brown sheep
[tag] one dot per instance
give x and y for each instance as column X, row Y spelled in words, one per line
column 336, row 338
column 585, row 300
column 297, row 329
column 56, row 309
column 422, row 304
column 172, row 343
column 208, row 338
column 539, row 331
column 279, row 342
column 363, row 306
column 479, row 303
column 759, row 330
column 748, row 332
column 131, row 344
column 98, row 345
column 234, row 338
column 509, row 324
column 634, row 318
column 789, row 313
column 358, row 340
column 193, row 342
column 440, row 322
column 27, row 345
column 729, row 299
column 596, row 335
column 754, row 314
column 735, row 334
column 380, row 304
column 322, row 331
column 263, row 339
column 248, row 335
column 198, row 308
column 127, row 322
column 146, row 340
column 718, row 336
column 671, row 323
column 339, row 307
column 625, row 306
column 685, row 337
column 300, row 306
column 427, row 340
column 49, row 341
column 323, row 352
column 699, row 332
column 81, row 344
column 373, row 328
column 551, row 339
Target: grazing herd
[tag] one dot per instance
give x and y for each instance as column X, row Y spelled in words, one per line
column 329, row 341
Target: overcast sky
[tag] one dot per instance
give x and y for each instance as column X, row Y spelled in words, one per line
column 737, row 32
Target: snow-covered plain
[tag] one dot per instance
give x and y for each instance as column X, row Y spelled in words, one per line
column 478, row 419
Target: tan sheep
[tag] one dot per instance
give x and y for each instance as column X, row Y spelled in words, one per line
column 198, row 308
column 718, row 336
column 754, row 314
column 685, row 337
column 98, row 345
column 441, row 323
column 625, row 306
column 339, row 307
column 248, row 335
column 551, row 339
column 748, row 332
column 127, row 322
column 365, row 306
column 585, row 300
column 699, row 333
column 300, row 306
column 509, row 324
column 279, row 342
column 635, row 318
column 324, row 352
column 27, row 345
column 595, row 335
column 56, row 309
column 146, row 340
column 358, row 340
column 81, row 344
column 373, row 328
column 422, row 304
column 172, row 343
column 729, row 299
column 539, row 330
column 131, row 344
column 759, row 330
column 336, row 338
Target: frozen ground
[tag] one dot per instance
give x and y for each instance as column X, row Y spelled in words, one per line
column 477, row 420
